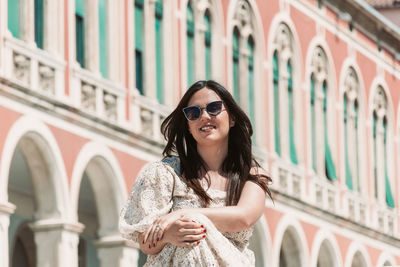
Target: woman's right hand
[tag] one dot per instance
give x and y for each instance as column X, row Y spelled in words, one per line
column 184, row 233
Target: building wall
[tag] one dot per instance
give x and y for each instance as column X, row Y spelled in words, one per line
column 72, row 140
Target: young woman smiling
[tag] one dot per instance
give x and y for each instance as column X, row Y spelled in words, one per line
column 197, row 206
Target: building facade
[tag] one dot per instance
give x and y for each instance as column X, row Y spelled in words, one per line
column 85, row 85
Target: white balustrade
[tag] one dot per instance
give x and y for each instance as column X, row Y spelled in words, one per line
column 288, row 179
column 324, row 194
column 356, row 207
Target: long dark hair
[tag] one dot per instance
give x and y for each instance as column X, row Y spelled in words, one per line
column 239, row 160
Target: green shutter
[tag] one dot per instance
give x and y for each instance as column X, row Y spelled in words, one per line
column 293, row 156
column 374, row 119
column 13, row 7
column 250, row 47
column 313, row 142
column 207, row 45
column 103, row 37
column 190, row 44
column 80, row 32
column 349, row 179
column 329, row 165
column 159, row 50
column 235, row 62
column 139, row 45
column 357, row 146
column 39, row 23
column 388, row 191
column 275, row 71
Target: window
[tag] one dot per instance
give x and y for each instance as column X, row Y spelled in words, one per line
column 80, row 31
column 329, row 165
column 313, row 129
column 39, row 23
column 275, row 70
column 103, row 38
column 207, row 44
column 292, row 145
column 13, row 17
column 190, row 44
column 139, row 45
column 235, row 62
column 159, row 49
column 250, row 77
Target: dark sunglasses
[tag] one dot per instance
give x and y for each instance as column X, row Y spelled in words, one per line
column 213, row 109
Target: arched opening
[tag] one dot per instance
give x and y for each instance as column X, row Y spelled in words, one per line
column 24, row 249
column 358, row 260
column 258, row 244
column 98, row 211
column 325, row 256
column 290, row 253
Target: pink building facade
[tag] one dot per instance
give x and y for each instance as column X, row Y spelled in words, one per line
column 79, row 119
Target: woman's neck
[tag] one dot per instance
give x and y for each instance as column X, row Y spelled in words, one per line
column 214, row 155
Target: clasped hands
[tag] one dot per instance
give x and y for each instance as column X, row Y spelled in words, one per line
column 175, row 229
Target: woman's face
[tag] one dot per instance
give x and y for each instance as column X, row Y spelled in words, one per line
column 208, row 130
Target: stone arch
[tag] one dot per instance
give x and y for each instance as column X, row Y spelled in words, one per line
column 290, row 237
column 100, row 164
column 260, row 242
column 386, row 259
column 357, row 256
column 47, row 168
column 325, row 251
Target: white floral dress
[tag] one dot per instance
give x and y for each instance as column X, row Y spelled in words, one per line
column 159, row 190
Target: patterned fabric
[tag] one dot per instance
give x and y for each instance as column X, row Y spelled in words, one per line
column 159, row 190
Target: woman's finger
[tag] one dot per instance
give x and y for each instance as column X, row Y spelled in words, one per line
column 193, row 238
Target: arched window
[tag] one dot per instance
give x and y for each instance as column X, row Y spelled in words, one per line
column 250, row 77
column 351, row 130
column 80, row 31
column 284, row 93
column 14, row 7
column 139, row 45
column 383, row 190
column 103, row 37
column 159, row 49
column 322, row 160
column 276, row 102
column 190, row 44
column 39, row 23
column 235, row 62
column 207, row 43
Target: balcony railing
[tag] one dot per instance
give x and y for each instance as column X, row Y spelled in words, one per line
column 34, row 68
column 356, row 207
column 324, row 194
column 385, row 220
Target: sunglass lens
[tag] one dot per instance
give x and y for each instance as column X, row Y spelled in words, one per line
column 214, row 108
column 192, row 113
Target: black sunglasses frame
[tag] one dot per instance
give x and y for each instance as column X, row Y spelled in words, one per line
column 201, row 110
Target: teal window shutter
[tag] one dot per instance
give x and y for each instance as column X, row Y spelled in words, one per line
column 39, row 23
column 349, row 179
column 313, row 144
column 103, row 37
column 293, row 156
column 159, row 50
column 374, row 120
column 388, row 191
column 250, row 47
column 357, row 169
column 235, row 62
column 329, row 165
column 275, row 67
column 207, row 39
column 13, row 7
column 139, row 45
column 80, row 32
column 190, row 44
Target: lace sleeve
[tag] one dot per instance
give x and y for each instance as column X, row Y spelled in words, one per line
column 150, row 197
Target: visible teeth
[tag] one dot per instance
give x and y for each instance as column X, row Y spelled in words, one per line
column 207, row 128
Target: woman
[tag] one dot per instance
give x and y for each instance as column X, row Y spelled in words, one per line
column 198, row 208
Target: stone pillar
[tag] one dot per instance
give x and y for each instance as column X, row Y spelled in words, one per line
column 116, row 251
column 6, row 209
column 283, row 105
column 92, row 36
column 27, row 23
column 380, row 160
column 319, row 129
column 56, row 243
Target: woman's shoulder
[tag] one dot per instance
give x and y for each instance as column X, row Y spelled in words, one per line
column 173, row 162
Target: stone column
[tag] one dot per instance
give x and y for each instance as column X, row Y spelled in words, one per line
column 92, row 36
column 6, row 209
column 27, row 23
column 319, row 129
column 283, row 106
column 57, row 243
column 116, row 251
column 380, row 159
